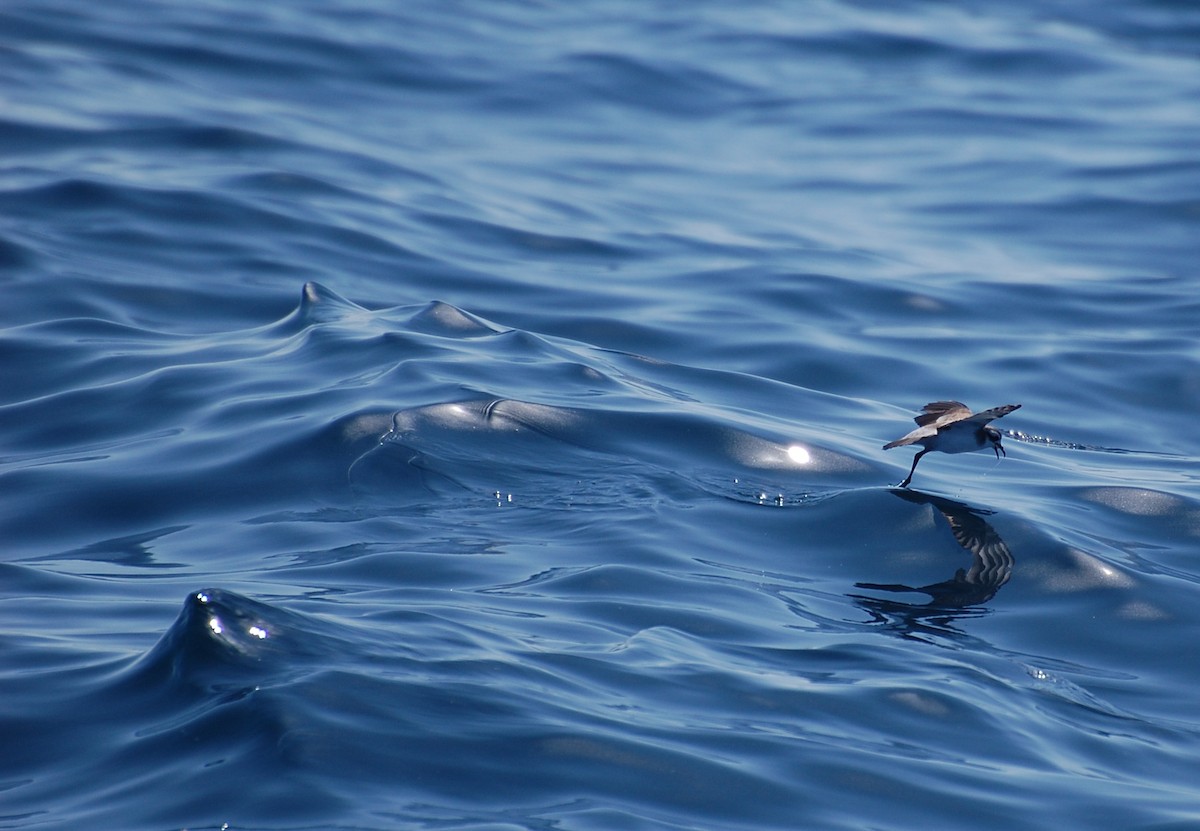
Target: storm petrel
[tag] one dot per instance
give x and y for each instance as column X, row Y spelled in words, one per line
column 951, row 427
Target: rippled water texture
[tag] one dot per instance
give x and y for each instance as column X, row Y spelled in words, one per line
column 471, row 416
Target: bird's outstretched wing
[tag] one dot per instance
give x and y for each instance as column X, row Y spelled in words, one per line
column 913, row 437
column 934, row 415
column 990, row 415
column 937, row 413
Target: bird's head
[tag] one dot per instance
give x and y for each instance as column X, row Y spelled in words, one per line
column 993, row 436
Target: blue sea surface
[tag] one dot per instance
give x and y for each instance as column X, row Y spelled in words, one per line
column 469, row 415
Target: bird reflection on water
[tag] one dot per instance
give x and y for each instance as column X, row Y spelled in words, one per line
column 991, row 560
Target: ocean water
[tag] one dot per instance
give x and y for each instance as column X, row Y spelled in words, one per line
column 469, row 415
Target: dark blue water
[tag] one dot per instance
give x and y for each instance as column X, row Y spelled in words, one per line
column 469, row 415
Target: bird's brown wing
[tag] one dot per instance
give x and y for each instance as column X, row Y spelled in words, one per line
column 913, row 437
column 942, row 412
column 933, row 415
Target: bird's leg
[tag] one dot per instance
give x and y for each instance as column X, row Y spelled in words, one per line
column 916, row 459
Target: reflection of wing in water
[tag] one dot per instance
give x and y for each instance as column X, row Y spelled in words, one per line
column 991, row 561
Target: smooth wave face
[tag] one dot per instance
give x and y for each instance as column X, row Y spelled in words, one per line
column 617, row 603
column 471, row 417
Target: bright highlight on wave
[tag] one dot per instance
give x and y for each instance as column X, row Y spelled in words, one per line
column 799, row 455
